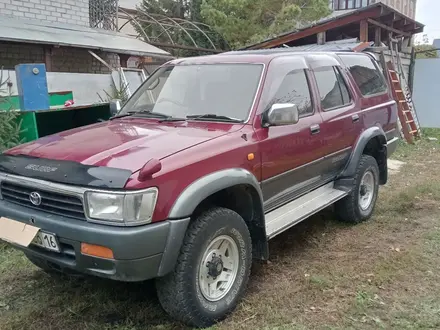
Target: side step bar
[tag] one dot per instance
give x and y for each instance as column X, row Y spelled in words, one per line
column 300, row 209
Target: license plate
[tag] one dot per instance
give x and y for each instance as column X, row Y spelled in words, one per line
column 46, row 241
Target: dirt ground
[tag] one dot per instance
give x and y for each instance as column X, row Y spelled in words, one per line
column 384, row 273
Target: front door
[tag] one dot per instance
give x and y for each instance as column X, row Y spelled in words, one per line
column 291, row 155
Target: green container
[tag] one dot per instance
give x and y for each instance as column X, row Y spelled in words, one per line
column 36, row 124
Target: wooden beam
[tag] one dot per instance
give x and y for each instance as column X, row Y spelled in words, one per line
column 363, row 33
column 377, row 36
column 334, row 23
column 48, row 58
column 388, row 28
column 321, row 36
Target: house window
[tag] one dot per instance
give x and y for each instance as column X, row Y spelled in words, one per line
column 349, row 4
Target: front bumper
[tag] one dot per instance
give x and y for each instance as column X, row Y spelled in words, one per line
column 140, row 253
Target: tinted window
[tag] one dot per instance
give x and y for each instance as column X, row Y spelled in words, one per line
column 295, row 89
column 366, row 75
column 332, row 88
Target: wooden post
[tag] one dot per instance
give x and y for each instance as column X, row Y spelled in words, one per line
column 48, row 58
column 378, row 36
column 363, row 34
column 321, row 36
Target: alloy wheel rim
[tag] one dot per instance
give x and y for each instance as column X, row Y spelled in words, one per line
column 218, row 268
column 366, row 190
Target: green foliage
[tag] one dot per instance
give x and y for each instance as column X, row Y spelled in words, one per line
column 182, row 33
column 9, row 130
column 9, row 124
column 428, row 51
column 240, row 22
column 246, row 21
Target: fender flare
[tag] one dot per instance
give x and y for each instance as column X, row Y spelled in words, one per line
column 207, row 185
column 356, row 155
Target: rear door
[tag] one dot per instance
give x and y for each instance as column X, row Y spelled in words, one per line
column 376, row 105
column 342, row 122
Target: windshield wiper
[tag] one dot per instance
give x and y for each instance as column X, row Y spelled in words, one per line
column 152, row 114
column 209, row 116
column 172, row 119
column 127, row 114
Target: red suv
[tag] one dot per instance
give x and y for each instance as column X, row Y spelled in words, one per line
column 208, row 160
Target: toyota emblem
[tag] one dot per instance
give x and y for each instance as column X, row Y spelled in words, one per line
column 35, row 198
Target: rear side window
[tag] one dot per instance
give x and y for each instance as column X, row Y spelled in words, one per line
column 366, row 75
column 295, row 89
column 332, row 88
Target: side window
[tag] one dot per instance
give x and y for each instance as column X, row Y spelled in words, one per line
column 332, row 88
column 366, row 74
column 295, row 89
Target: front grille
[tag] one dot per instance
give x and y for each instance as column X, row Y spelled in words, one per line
column 51, row 202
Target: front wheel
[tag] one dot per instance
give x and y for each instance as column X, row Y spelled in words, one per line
column 212, row 270
column 359, row 205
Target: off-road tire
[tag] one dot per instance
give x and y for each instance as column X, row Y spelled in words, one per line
column 179, row 292
column 348, row 208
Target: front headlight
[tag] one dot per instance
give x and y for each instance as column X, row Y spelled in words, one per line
column 129, row 208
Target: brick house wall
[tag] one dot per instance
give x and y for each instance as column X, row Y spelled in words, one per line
column 63, row 59
column 61, row 11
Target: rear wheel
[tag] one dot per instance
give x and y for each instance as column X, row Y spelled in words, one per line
column 359, row 205
column 212, row 270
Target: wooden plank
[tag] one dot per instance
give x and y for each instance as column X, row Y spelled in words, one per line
column 361, row 47
column 388, row 28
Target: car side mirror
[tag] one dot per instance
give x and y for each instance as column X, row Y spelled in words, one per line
column 282, row 114
column 115, row 106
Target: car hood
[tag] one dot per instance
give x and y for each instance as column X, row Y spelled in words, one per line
column 125, row 143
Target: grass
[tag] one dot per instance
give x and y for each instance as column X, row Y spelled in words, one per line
column 382, row 274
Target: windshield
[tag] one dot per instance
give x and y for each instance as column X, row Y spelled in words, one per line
column 210, row 91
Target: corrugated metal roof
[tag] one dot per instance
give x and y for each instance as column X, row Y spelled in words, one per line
column 36, row 32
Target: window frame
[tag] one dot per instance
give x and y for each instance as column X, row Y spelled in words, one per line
column 350, row 93
column 387, row 87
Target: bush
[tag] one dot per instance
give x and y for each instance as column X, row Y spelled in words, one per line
column 9, row 130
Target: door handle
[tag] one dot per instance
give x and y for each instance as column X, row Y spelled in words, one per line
column 355, row 118
column 315, row 129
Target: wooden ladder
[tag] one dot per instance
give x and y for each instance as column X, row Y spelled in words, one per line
column 408, row 122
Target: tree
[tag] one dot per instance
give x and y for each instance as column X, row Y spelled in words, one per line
column 9, row 120
column 164, row 23
column 426, row 51
column 246, row 21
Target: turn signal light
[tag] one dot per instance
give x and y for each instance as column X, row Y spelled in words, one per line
column 96, row 251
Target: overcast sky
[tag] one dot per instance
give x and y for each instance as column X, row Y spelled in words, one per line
column 428, row 13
